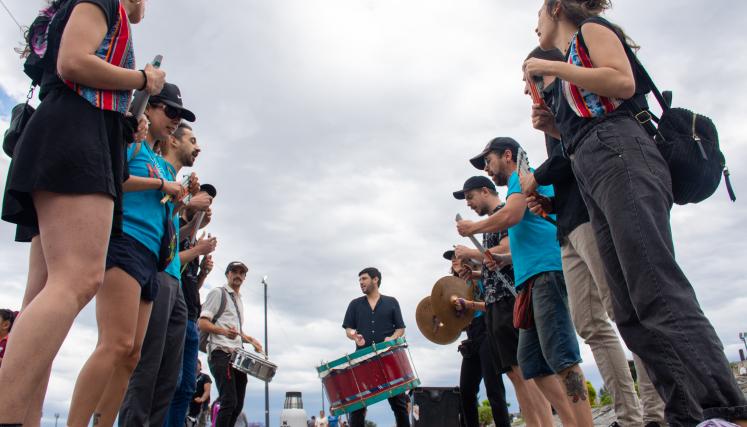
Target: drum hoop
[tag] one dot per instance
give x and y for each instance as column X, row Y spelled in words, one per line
column 360, row 356
column 374, row 398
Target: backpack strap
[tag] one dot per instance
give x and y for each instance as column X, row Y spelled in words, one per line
column 221, row 309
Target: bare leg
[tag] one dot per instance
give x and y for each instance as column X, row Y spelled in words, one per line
column 74, row 234
column 575, row 389
column 554, row 391
column 117, row 309
column 35, row 281
column 535, row 408
column 111, row 400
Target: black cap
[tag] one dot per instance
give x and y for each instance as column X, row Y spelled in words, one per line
column 449, row 254
column 497, row 144
column 235, row 264
column 473, row 183
column 209, row 189
column 172, row 96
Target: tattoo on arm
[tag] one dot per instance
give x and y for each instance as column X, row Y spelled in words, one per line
column 574, row 386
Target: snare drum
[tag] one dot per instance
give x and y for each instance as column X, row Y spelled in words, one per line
column 253, row 365
column 368, row 376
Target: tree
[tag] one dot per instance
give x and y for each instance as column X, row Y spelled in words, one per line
column 605, row 398
column 592, row 393
column 485, row 413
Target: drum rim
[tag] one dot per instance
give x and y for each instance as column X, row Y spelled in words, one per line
column 360, row 355
column 375, row 398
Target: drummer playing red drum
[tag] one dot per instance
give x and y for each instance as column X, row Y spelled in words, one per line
column 371, row 319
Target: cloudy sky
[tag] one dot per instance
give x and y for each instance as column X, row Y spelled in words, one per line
column 335, row 131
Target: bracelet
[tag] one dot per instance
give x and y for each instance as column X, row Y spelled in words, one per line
column 145, row 80
column 161, row 187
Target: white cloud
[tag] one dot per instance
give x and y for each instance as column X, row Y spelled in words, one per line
column 336, row 130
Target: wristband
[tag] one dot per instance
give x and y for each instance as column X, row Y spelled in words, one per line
column 161, row 187
column 145, row 80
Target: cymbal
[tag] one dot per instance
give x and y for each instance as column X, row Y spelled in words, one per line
column 431, row 327
column 441, row 296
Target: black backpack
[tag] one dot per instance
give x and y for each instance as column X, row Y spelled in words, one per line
column 35, row 65
column 688, row 141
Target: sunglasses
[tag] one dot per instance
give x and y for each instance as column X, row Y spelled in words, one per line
column 170, row 112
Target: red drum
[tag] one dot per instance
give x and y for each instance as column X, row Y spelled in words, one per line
column 368, row 376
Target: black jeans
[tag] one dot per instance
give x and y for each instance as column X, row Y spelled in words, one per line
column 231, row 388
column 399, row 407
column 627, row 188
column 477, row 364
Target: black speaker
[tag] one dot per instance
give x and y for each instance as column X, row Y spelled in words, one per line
column 436, row 407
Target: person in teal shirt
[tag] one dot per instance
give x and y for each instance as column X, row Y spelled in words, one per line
column 548, row 349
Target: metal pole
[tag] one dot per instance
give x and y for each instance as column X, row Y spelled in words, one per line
column 56, row 417
column 267, row 352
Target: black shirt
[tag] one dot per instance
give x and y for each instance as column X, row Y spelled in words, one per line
column 194, row 407
column 189, row 280
column 496, row 286
column 568, row 203
column 377, row 324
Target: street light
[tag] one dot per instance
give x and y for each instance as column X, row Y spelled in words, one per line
column 267, row 353
column 56, row 417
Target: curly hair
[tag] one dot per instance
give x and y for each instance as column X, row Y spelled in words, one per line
column 577, row 11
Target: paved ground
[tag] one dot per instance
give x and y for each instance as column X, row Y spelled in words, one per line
column 605, row 415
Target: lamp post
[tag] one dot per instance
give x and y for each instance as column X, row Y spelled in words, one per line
column 267, row 353
column 56, row 417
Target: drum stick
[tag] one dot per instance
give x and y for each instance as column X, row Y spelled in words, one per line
column 140, row 100
column 534, row 90
column 198, row 221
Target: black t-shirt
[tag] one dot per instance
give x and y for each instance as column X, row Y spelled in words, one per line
column 194, row 407
column 189, row 280
column 51, row 80
column 496, row 286
column 377, row 324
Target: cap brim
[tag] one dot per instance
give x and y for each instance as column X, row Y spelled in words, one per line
column 459, row 195
column 208, row 188
column 479, row 160
column 449, row 255
column 186, row 114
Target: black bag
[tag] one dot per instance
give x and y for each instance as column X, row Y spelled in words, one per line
column 205, row 335
column 19, row 117
column 168, row 249
column 688, row 141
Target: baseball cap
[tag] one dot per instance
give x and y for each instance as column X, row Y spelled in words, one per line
column 449, row 254
column 499, row 144
column 473, row 183
column 208, row 188
column 236, row 264
column 172, row 96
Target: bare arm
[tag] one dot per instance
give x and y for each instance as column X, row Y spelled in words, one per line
column 77, row 60
column 508, row 216
column 206, row 394
column 397, row 334
column 612, row 75
column 206, row 325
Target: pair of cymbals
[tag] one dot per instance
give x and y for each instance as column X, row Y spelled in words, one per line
column 437, row 318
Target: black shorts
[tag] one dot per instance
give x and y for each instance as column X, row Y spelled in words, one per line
column 135, row 259
column 499, row 319
column 68, row 147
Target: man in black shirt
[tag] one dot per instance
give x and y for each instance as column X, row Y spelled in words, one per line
column 371, row 319
column 199, row 407
column 588, row 290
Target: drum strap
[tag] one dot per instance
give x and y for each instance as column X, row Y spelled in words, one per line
column 238, row 312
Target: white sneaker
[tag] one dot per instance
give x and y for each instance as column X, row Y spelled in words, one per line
column 716, row 422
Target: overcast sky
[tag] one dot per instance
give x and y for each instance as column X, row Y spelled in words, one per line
column 336, row 130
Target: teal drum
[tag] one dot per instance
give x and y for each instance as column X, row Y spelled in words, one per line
column 368, row 376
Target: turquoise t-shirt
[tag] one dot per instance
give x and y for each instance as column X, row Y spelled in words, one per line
column 534, row 245
column 175, row 267
column 479, row 294
column 143, row 212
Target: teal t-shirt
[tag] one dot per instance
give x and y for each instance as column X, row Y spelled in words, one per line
column 534, row 245
column 144, row 214
column 175, row 267
column 479, row 295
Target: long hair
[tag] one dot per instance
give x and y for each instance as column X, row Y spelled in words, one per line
column 577, row 11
